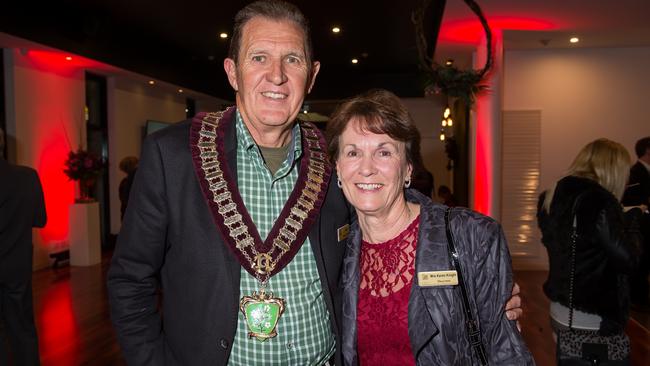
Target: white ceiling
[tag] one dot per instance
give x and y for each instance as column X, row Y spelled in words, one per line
column 530, row 24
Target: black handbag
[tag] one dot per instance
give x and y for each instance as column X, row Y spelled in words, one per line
column 473, row 330
column 586, row 347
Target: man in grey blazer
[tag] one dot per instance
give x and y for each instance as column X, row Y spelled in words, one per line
column 22, row 206
column 181, row 278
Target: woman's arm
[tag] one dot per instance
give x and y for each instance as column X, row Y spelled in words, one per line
column 493, row 287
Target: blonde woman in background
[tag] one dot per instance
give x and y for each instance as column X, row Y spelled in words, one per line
column 605, row 247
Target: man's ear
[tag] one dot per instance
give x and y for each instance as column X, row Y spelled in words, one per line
column 315, row 67
column 231, row 71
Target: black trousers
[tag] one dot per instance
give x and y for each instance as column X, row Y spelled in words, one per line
column 17, row 324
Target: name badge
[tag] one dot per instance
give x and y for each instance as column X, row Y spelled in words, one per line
column 342, row 232
column 437, row 278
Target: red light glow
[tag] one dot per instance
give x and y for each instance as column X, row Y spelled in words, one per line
column 57, row 188
column 483, row 171
column 56, row 99
column 470, row 31
column 487, row 131
column 57, row 327
column 61, row 63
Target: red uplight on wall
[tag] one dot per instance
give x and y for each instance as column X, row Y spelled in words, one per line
column 60, row 63
column 57, row 188
column 470, row 31
column 483, row 159
column 51, row 93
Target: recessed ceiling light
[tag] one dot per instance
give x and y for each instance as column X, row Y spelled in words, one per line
column 151, row 82
column 336, row 30
column 180, row 90
column 574, row 40
column 355, row 61
column 223, row 35
column 449, row 62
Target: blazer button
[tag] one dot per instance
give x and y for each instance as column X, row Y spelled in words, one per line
column 223, row 343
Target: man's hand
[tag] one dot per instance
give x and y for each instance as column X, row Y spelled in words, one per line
column 513, row 306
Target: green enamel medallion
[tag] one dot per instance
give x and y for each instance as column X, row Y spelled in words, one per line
column 262, row 312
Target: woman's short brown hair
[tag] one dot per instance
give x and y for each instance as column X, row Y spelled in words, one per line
column 379, row 111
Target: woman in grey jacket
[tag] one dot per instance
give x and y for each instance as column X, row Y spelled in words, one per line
column 402, row 303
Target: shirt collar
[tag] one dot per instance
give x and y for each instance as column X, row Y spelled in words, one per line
column 246, row 141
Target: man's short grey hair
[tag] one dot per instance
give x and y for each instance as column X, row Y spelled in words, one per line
column 271, row 9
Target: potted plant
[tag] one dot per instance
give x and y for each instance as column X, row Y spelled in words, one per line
column 84, row 167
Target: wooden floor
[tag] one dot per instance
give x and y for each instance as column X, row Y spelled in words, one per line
column 74, row 328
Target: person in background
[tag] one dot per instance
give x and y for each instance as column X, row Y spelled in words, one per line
column 446, row 197
column 637, row 193
column 398, row 306
column 422, row 180
column 128, row 165
column 22, row 207
column 605, row 247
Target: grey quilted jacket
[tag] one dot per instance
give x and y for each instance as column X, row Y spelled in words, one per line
column 436, row 322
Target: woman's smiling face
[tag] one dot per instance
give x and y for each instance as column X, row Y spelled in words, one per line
column 372, row 169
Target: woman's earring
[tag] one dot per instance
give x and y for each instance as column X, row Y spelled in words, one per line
column 338, row 183
column 407, row 182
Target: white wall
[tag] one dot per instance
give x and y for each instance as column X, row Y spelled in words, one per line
column 583, row 94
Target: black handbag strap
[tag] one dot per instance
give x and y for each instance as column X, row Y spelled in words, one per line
column 572, row 271
column 472, row 326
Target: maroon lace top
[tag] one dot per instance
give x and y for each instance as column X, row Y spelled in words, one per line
column 382, row 312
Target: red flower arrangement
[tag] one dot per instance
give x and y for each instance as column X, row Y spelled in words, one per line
column 83, row 165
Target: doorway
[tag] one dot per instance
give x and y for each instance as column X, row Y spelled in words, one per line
column 97, row 143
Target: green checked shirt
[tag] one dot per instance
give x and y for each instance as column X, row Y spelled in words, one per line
column 304, row 333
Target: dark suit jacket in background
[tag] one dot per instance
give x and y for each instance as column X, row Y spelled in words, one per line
column 638, row 189
column 22, row 206
column 169, row 241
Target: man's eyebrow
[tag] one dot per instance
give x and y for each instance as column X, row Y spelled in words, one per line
column 296, row 54
column 256, row 50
